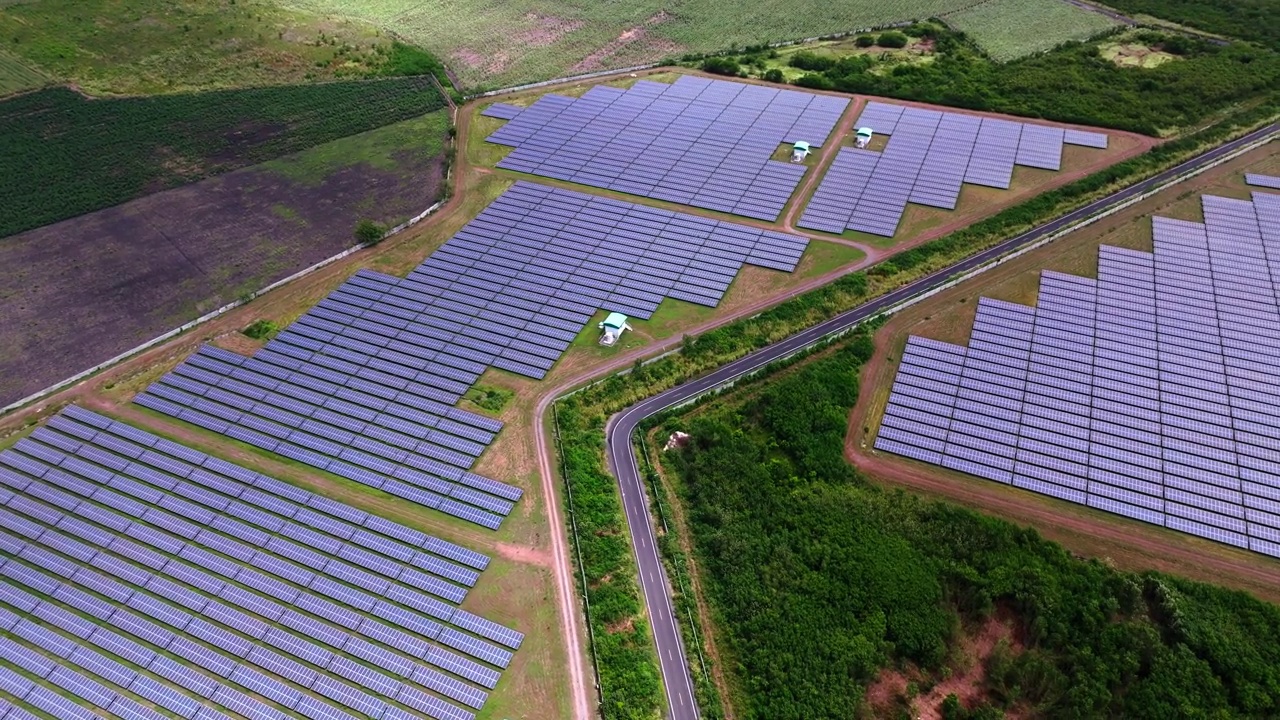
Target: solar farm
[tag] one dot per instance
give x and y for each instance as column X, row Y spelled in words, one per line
column 1152, row 392
column 364, row 384
column 930, row 154
column 141, row 574
column 700, row 142
column 145, row 579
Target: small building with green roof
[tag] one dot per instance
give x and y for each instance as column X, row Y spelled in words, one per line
column 613, row 327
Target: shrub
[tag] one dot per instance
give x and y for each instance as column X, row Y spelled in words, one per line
column 806, row 60
column 774, row 75
column 814, row 81
column 892, row 39
column 369, row 232
column 721, row 66
column 865, row 41
column 261, row 330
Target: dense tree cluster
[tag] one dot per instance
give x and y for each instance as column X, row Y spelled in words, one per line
column 1253, row 20
column 819, row 580
column 1070, row 84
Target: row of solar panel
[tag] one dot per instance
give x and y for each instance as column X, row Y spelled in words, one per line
column 230, row 479
column 203, row 686
column 226, row 639
column 1146, row 453
column 342, row 592
column 55, row 704
column 308, row 527
column 234, row 621
column 712, row 154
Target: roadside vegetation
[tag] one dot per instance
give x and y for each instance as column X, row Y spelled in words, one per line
column 62, row 155
column 1072, row 83
column 818, row 580
column 623, row 649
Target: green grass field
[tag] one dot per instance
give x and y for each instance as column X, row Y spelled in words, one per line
column 502, row 44
column 1010, row 29
column 16, row 76
column 152, row 46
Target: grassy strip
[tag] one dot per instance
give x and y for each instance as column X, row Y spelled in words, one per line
column 623, row 649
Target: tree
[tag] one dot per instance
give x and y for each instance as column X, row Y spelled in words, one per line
column 721, row 66
column 865, row 41
column 892, row 39
column 774, row 75
column 369, row 232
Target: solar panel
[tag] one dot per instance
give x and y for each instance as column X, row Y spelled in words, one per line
column 1144, row 408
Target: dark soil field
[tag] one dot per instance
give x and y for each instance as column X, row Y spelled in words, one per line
column 81, row 291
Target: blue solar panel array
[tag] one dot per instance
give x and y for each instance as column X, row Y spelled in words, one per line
column 1265, row 181
column 1152, row 392
column 120, row 551
column 502, row 111
column 363, row 385
column 700, row 142
column 929, row 156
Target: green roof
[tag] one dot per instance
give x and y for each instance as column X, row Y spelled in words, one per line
column 615, row 319
column 802, row 145
column 864, row 131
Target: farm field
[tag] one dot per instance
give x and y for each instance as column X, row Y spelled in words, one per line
column 107, row 47
column 1009, row 29
column 948, row 316
column 505, row 44
column 78, row 292
column 66, row 155
column 16, row 75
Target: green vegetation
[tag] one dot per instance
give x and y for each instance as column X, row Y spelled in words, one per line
column 262, row 329
column 162, row 46
column 818, row 580
column 16, row 76
column 62, row 155
column 1072, row 83
column 892, row 39
column 490, row 45
column 721, row 66
column 385, row 148
column 368, row 232
column 489, row 398
column 1254, row 20
column 1009, row 29
column 627, row 666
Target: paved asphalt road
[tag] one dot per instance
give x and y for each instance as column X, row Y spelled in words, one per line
column 621, row 427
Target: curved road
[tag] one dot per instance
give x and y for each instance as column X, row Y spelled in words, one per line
column 618, row 433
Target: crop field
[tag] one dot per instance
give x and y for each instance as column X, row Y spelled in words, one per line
column 490, row 45
column 63, row 155
column 78, row 292
column 16, row 76
column 166, row 46
column 1010, row 29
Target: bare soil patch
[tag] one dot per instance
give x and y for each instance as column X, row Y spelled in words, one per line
column 634, row 42
column 545, row 30
column 78, row 292
column 891, row 692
